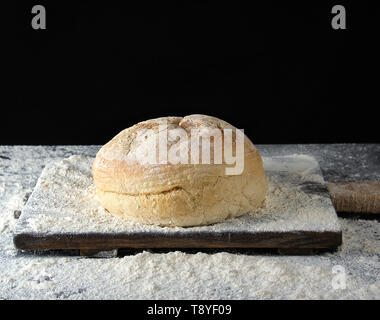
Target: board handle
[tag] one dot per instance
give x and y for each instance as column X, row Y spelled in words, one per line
column 360, row 197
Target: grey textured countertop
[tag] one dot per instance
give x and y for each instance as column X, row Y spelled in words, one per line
column 351, row 272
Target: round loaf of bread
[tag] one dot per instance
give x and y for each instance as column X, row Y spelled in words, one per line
column 152, row 173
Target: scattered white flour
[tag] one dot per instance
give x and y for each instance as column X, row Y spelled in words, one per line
column 178, row 275
column 173, row 275
column 14, row 202
column 64, row 201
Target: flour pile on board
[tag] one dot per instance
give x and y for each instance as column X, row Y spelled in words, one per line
column 64, row 201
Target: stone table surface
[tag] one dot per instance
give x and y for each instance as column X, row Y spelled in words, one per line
column 353, row 271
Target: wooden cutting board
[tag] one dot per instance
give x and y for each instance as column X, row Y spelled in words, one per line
column 51, row 218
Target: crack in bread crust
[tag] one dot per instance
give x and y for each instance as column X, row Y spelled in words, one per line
column 147, row 193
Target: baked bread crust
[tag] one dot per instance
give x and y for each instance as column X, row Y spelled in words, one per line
column 176, row 194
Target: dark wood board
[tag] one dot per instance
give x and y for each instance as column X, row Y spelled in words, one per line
column 203, row 237
column 300, row 239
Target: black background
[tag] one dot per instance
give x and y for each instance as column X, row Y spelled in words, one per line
column 276, row 69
